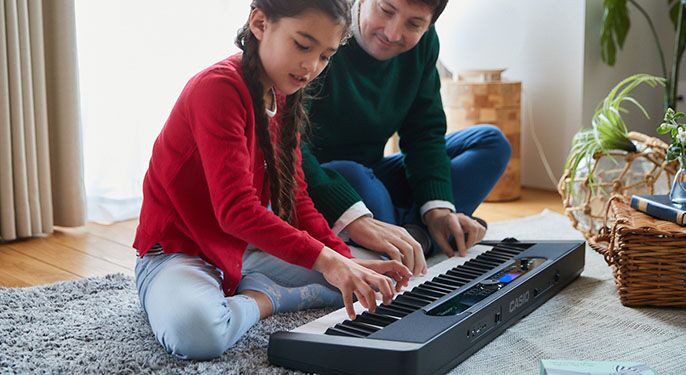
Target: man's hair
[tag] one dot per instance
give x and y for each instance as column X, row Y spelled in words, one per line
column 437, row 5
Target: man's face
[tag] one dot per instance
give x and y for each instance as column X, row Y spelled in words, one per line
column 391, row 27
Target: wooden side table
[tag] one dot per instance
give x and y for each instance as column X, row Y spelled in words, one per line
column 481, row 97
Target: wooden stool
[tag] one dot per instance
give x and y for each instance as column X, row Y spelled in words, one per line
column 481, row 97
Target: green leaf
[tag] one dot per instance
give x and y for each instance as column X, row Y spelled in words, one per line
column 608, row 129
column 674, row 11
column 614, row 29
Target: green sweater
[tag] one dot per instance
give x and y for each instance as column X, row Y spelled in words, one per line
column 364, row 101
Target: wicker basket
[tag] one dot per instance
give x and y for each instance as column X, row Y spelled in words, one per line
column 647, row 256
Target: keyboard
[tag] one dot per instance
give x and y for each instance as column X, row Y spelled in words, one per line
column 439, row 320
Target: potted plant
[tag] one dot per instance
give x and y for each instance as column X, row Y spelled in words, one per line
column 615, row 27
column 607, row 159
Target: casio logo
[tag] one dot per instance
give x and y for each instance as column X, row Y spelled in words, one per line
column 519, row 301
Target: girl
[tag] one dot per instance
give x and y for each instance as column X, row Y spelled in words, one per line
column 228, row 149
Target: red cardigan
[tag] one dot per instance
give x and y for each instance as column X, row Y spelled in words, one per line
column 204, row 193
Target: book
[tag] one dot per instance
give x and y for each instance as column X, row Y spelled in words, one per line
column 566, row 367
column 659, row 206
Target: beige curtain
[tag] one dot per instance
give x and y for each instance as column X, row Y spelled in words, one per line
column 41, row 166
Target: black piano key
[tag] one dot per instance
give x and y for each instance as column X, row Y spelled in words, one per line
column 388, row 310
column 461, row 279
column 419, row 303
column 477, row 265
column 401, row 307
column 427, row 292
column 446, row 288
column 432, row 288
column 514, row 249
column 376, row 318
column 353, row 330
column 339, row 332
column 488, row 260
column 499, row 250
column 488, row 256
column 422, row 297
column 405, row 305
column 369, row 329
column 499, row 257
column 484, row 263
column 463, row 275
column 467, row 272
column 449, row 280
column 475, row 268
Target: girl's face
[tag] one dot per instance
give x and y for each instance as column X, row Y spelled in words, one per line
column 391, row 27
column 294, row 50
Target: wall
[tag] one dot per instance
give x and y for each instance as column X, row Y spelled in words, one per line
column 135, row 58
column 552, row 47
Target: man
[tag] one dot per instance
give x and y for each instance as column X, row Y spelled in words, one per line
column 385, row 81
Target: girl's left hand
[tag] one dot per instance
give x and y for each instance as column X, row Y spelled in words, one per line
column 391, row 268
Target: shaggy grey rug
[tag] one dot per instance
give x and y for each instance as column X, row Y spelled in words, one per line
column 96, row 326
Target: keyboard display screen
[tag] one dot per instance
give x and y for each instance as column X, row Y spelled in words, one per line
column 485, row 288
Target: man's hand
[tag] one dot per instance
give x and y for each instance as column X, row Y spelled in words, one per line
column 442, row 223
column 388, row 239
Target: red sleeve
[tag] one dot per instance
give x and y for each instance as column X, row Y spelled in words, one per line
column 219, row 110
column 309, row 218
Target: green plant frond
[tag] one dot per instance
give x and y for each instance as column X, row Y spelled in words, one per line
column 608, row 130
column 614, row 29
column 637, row 104
column 633, row 81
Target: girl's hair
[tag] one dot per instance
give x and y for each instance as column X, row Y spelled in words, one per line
column 280, row 160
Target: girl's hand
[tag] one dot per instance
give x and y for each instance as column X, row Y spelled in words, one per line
column 392, row 268
column 352, row 278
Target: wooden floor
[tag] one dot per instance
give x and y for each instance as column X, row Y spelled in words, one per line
column 97, row 250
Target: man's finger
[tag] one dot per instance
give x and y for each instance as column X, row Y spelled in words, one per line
column 458, row 233
column 419, row 262
column 392, row 252
column 406, row 249
column 444, row 245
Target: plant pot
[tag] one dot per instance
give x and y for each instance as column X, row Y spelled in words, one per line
column 677, row 194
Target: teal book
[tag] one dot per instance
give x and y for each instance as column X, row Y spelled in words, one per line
column 564, row 367
column 659, row 206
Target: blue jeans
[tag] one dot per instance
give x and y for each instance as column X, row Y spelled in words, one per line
column 478, row 157
column 186, row 306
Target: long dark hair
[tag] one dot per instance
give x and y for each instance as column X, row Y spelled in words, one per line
column 280, row 161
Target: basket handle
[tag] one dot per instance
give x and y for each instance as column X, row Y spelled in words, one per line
column 602, row 242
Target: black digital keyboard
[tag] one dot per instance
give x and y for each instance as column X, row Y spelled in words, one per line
column 439, row 323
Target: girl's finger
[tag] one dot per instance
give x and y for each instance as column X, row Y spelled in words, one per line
column 371, row 299
column 383, row 283
column 348, row 302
